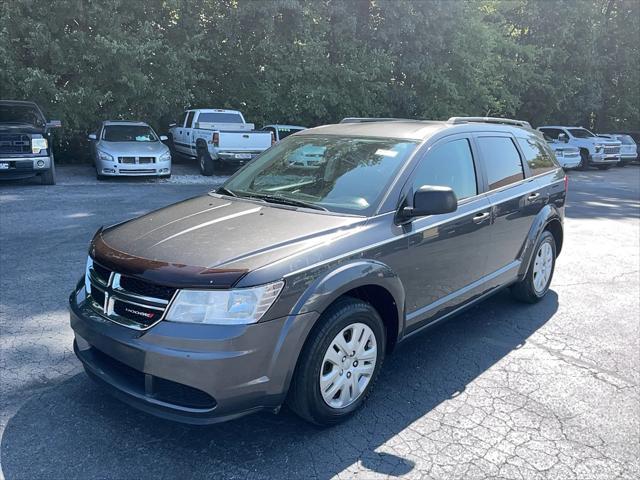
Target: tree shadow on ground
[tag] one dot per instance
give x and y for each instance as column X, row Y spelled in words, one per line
column 75, row 430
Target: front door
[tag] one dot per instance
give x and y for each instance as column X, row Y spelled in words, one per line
column 447, row 254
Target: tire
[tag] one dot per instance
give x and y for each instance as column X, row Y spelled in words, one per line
column 205, row 162
column 604, row 167
column 305, row 396
column 49, row 177
column 526, row 290
column 165, row 176
column 584, row 162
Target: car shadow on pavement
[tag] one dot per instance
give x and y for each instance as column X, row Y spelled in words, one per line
column 75, row 430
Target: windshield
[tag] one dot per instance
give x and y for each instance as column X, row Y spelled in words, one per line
column 219, row 117
column 21, row 114
column 129, row 133
column 581, row 133
column 340, row 174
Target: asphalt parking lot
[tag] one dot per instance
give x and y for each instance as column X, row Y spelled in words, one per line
column 548, row 391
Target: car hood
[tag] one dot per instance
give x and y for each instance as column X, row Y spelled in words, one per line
column 133, row 149
column 8, row 128
column 214, row 240
column 600, row 141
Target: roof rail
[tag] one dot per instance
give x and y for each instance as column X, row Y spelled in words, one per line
column 504, row 121
column 371, row 119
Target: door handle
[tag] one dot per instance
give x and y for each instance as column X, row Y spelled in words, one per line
column 481, row 217
column 533, row 196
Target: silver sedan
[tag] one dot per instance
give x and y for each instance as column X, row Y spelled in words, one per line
column 129, row 148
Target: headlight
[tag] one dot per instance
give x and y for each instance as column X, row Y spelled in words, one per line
column 223, row 307
column 38, row 144
column 104, row 156
column 165, row 156
column 599, row 148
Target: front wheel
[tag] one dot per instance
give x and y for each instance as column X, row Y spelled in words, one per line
column 584, row 160
column 536, row 283
column 339, row 364
column 49, row 177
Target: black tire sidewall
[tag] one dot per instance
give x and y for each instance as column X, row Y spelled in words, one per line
column 349, row 313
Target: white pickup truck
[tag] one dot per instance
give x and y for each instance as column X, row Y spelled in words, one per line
column 217, row 137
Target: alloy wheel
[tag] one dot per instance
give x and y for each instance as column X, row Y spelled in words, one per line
column 542, row 267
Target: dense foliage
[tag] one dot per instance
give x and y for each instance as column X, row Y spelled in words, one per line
column 315, row 61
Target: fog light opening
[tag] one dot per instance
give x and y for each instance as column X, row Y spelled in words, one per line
column 108, row 170
column 40, row 163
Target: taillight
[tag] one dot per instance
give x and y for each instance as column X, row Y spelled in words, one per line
column 215, row 139
column 273, row 138
column 566, row 183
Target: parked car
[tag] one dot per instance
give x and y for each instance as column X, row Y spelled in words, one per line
column 281, row 132
column 217, row 137
column 25, row 142
column 628, row 149
column 594, row 151
column 123, row 148
column 566, row 155
column 293, row 284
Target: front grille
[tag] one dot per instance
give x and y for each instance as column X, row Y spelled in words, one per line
column 138, row 170
column 15, row 143
column 611, row 150
column 126, row 300
column 145, row 288
column 136, row 160
column 157, row 388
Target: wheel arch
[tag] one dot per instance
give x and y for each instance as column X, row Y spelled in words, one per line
column 547, row 219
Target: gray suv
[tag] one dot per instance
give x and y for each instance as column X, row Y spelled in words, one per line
column 291, row 283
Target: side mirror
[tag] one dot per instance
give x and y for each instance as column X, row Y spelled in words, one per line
column 563, row 138
column 93, row 136
column 54, row 124
column 431, row 200
column 163, row 138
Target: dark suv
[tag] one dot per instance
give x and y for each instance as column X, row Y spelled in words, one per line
column 294, row 279
column 25, row 142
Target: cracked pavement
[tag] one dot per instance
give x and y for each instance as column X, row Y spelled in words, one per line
column 505, row 390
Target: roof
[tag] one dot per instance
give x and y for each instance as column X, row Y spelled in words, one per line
column 560, row 126
column 409, row 129
column 124, row 122
column 280, row 125
column 213, row 110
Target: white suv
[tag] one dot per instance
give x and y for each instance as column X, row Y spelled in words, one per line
column 594, row 151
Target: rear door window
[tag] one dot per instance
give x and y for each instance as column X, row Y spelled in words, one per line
column 502, row 161
column 449, row 165
column 536, row 155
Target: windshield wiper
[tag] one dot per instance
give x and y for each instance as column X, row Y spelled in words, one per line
column 286, row 201
column 225, row 191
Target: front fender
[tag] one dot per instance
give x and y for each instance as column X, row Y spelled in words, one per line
column 324, row 290
column 548, row 214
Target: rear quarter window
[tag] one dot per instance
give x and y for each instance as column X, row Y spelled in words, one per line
column 537, row 156
column 502, row 161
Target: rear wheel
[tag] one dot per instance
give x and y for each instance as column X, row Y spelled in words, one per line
column 536, row 283
column 206, row 163
column 339, row 364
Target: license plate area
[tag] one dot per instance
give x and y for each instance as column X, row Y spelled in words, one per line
column 243, row 156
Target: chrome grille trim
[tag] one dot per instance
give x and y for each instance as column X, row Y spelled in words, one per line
column 113, row 293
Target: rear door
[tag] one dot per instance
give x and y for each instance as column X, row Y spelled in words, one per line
column 516, row 197
column 447, row 254
column 178, row 134
column 188, row 133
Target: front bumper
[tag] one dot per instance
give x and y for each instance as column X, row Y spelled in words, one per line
column 113, row 169
column 604, row 159
column 24, row 167
column 197, row 374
